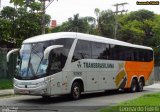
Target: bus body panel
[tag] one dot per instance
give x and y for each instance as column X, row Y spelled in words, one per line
column 55, row 84
column 138, row 69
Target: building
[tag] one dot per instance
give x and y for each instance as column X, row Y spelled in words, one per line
column 53, row 23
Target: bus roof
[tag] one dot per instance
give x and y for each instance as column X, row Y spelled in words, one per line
column 52, row 36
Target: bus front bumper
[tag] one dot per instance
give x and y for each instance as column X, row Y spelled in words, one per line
column 40, row 90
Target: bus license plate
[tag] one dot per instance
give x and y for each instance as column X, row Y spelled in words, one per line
column 24, row 92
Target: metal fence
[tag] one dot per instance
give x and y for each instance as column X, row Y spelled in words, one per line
column 7, row 70
column 157, row 73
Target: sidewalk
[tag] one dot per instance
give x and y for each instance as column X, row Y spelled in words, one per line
column 154, row 86
column 6, row 92
column 11, row 92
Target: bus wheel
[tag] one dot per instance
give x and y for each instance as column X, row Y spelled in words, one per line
column 46, row 97
column 76, row 91
column 133, row 86
column 140, row 85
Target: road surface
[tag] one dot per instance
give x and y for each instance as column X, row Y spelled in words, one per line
column 90, row 102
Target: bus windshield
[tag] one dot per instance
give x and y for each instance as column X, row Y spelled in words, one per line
column 31, row 63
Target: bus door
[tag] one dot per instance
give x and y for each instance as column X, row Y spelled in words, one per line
column 55, row 71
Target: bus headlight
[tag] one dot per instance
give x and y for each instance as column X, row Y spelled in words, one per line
column 15, row 82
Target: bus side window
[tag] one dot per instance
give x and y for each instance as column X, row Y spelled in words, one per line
column 148, row 55
column 82, row 50
column 100, row 50
column 135, row 54
column 57, row 60
column 107, row 51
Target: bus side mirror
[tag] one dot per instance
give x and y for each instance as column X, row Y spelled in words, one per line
column 11, row 52
column 49, row 49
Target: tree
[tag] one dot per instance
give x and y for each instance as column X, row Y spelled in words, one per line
column 21, row 23
column 28, row 23
column 141, row 15
column 5, row 29
column 106, row 23
column 77, row 24
column 97, row 13
column 8, row 13
column 131, row 32
column 137, row 27
column 156, row 31
column 35, row 6
column 17, row 2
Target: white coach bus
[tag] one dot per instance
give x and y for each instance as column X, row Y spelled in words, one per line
column 72, row 63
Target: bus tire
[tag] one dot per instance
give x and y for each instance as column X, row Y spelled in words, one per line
column 134, row 86
column 140, row 85
column 75, row 91
column 46, row 97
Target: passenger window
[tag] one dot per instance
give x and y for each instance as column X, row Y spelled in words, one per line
column 122, row 53
column 82, row 50
column 100, row 50
column 57, row 60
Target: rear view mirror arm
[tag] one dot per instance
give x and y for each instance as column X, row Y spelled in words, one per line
column 11, row 52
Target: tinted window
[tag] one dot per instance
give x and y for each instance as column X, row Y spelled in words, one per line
column 100, row 50
column 82, row 50
column 66, row 43
column 118, row 52
column 130, row 54
column 59, row 56
column 145, row 55
column 96, row 50
column 55, row 64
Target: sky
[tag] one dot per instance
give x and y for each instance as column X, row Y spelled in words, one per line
column 61, row 10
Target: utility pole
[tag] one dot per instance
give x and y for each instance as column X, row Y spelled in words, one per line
column 44, row 7
column 0, row 3
column 43, row 16
column 116, row 16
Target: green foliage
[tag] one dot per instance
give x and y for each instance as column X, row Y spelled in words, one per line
column 137, row 27
column 146, row 101
column 35, row 6
column 8, row 13
column 77, row 24
column 6, row 83
column 132, row 32
column 17, row 2
column 141, row 15
column 5, row 29
column 21, row 23
column 106, row 23
column 156, row 30
column 56, row 29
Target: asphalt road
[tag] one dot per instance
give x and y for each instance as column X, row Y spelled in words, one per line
column 90, row 102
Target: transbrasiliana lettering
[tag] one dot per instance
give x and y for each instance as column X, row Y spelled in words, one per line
column 98, row 65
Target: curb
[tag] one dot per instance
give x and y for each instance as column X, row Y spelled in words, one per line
column 6, row 92
column 154, row 86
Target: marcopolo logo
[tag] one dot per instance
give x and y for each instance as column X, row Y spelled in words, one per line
column 79, row 64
